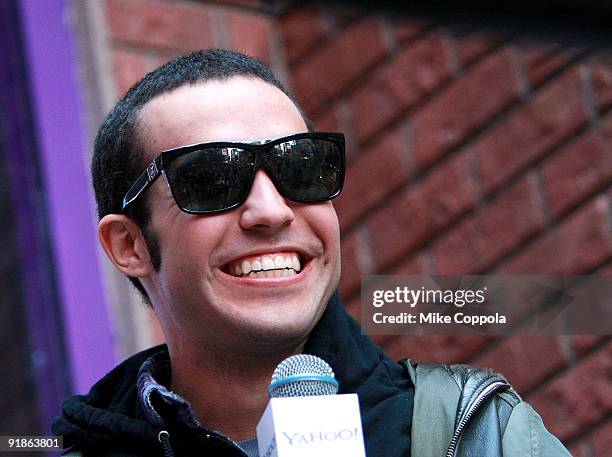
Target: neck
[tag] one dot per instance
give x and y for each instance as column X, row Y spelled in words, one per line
column 233, row 399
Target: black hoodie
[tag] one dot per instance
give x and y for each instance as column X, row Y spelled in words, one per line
column 110, row 421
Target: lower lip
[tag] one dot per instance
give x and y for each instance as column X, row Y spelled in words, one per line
column 271, row 282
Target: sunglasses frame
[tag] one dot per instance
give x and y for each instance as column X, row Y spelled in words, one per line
column 157, row 167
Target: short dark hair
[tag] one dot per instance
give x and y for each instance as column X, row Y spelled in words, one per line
column 118, row 156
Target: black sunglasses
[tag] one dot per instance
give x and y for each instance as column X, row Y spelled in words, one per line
column 214, row 177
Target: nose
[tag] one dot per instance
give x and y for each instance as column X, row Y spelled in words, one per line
column 265, row 210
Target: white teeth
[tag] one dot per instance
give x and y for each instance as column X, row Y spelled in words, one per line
column 285, row 265
column 268, row 263
column 271, row 273
column 246, row 267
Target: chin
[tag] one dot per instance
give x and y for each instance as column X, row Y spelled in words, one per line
column 281, row 329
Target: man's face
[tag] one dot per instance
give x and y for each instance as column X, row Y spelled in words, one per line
column 199, row 293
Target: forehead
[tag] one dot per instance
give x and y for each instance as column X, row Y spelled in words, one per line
column 238, row 109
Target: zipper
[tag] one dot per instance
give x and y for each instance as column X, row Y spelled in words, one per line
column 164, row 438
column 211, row 435
column 486, row 393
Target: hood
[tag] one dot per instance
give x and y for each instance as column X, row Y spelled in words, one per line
column 110, row 412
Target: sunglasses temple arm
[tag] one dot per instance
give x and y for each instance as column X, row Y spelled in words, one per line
column 142, row 183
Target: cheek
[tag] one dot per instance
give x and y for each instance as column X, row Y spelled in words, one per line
column 323, row 221
column 189, row 241
column 327, row 221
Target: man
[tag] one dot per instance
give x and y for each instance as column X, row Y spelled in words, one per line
column 237, row 250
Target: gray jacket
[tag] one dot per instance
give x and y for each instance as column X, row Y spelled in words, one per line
column 462, row 411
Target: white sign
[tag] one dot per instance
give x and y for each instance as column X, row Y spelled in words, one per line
column 321, row 426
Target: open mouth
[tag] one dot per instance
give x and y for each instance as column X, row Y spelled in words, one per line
column 276, row 265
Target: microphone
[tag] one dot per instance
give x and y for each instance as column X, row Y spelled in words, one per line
column 305, row 416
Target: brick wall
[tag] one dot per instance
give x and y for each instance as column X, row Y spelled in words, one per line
column 469, row 152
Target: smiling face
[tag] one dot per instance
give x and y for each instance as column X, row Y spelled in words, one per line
column 256, row 278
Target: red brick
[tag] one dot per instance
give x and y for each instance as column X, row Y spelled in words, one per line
column 350, row 279
column 249, row 33
column 472, row 45
column 372, row 175
column 584, row 343
column 579, row 398
column 420, row 211
column 407, row 29
column 578, row 170
column 340, row 14
column 523, row 366
column 543, row 58
column 578, row 245
column 328, row 121
column 496, row 229
column 249, row 3
column 301, row 28
column 129, row 68
column 159, row 24
column 327, row 72
column 460, row 109
column 534, row 51
column 544, row 68
column 437, row 348
column 602, row 439
column 415, row 265
column 595, row 316
column 398, row 85
column 163, row 58
column 549, row 117
column 601, row 80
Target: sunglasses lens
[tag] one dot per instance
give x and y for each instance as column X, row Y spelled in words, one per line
column 216, row 179
column 209, row 180
column 308, row 169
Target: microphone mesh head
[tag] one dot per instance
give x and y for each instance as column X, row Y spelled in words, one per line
column 303, row 375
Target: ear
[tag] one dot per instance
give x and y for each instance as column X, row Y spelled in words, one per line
column 124, row 244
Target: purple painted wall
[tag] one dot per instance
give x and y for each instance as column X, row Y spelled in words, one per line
column 59, row 125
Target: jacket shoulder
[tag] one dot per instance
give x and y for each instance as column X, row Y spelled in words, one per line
column 526, row 435
column 443, row 394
